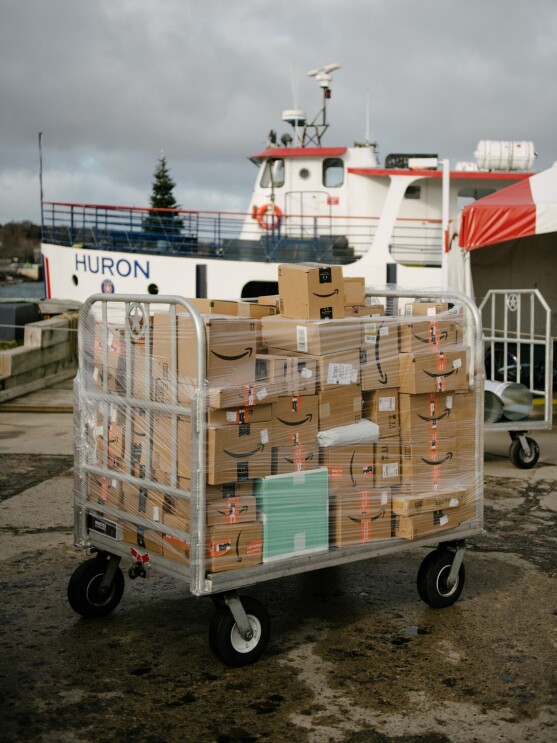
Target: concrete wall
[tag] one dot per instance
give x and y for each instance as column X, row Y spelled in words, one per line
column 47, row 356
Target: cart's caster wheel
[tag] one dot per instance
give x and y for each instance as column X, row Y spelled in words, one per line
column 226, row 641
column 83, row 589
column 521, row 459
column 432, row 579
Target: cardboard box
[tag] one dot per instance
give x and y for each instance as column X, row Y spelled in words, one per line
column 228, row 547
column 432, row 522
column 287, row 375
column 236, row 507
column 412, row 505
column 295, row 514
column 434, row 371
column 387, row 455
column 170, row 443
column 141, row 358
column 295, row 420
column 241, row 395
column 109, row 358
column 339, row 406
column 354, row 290
column 104, row 491
column 431, row 465
column 421, row 309
column 423, row 415
column 297, row 458
column 359, row 517
column 230, row 357
column 314, row 337
column 140, row 442
column 364, row 310
column 311, row 292
column 235, row 452
column 237, row 416
column 428, row 335
column 148, row 540
column 234, row 546
column 341, row 369
column 270, row 300
column 382, row 407
column 349, row 467
column 143, row 501
column 238, row 452
column 234, row 308
column 379, row 364
column 333, row 369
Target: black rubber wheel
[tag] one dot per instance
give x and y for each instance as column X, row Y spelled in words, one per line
column 522, row 459
column 432, row 579
column 83, row 589
column 226, row 641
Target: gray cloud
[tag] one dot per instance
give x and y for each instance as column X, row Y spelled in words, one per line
column 112, row 82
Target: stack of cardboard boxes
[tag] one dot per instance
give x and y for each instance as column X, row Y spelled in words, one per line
column 278, row 372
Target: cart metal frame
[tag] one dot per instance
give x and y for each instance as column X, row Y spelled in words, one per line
column 98, row 531
column 518, row 321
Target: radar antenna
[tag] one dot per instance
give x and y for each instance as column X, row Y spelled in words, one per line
column 312, row 133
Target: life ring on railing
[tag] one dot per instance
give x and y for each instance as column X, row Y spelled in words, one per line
column 268, row 216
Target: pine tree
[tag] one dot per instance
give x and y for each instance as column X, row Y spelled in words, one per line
column 163, row 224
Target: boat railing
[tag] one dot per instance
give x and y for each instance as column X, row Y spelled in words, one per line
column 228, row 235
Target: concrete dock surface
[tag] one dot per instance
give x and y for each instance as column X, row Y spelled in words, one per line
column 354, row 654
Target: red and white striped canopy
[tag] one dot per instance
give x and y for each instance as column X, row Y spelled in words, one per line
column 524, row 209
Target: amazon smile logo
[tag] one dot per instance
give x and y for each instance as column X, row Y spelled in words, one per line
column 435, row 418
column 223, row 357
column 326, row 296
column 307, row 419
column 436, row 462
column 441, row 374
column 432, row 338
column 380, row 515
column 245, row 455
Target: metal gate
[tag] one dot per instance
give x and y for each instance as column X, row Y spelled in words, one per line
column 519, row 367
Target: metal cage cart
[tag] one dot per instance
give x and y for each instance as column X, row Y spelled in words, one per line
column 519, row 368
column 122, row 394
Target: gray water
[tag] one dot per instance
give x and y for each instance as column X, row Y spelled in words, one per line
column 24, row 290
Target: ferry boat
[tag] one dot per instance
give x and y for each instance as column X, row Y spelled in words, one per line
column 311, row 202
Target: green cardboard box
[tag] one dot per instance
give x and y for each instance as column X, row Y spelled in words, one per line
column 294, row 510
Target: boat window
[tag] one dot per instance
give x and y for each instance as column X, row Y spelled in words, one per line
column 413, row 192
column 273, row 173
column 333, row 172
column 304, row 174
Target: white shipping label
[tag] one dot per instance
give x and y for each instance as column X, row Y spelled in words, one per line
column 301, row 338
column 384, row 330
column 264, row 436
column 431, row 311
column 386, row 404
column 390, row 470
column 113, row 484
column 306, row 373
column 99, row 430
column 156, row 513
column 262, row 394
column 340, row 374
column 443, row 520
column 457, row 363
column 231, row 416
column 449, row 402
column 453, row 503
column 384, row 498
column 96, row 374
column 113, row 413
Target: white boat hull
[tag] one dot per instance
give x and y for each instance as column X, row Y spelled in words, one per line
column 77, row 273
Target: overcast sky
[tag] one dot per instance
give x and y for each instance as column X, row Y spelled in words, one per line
column 112, row 83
